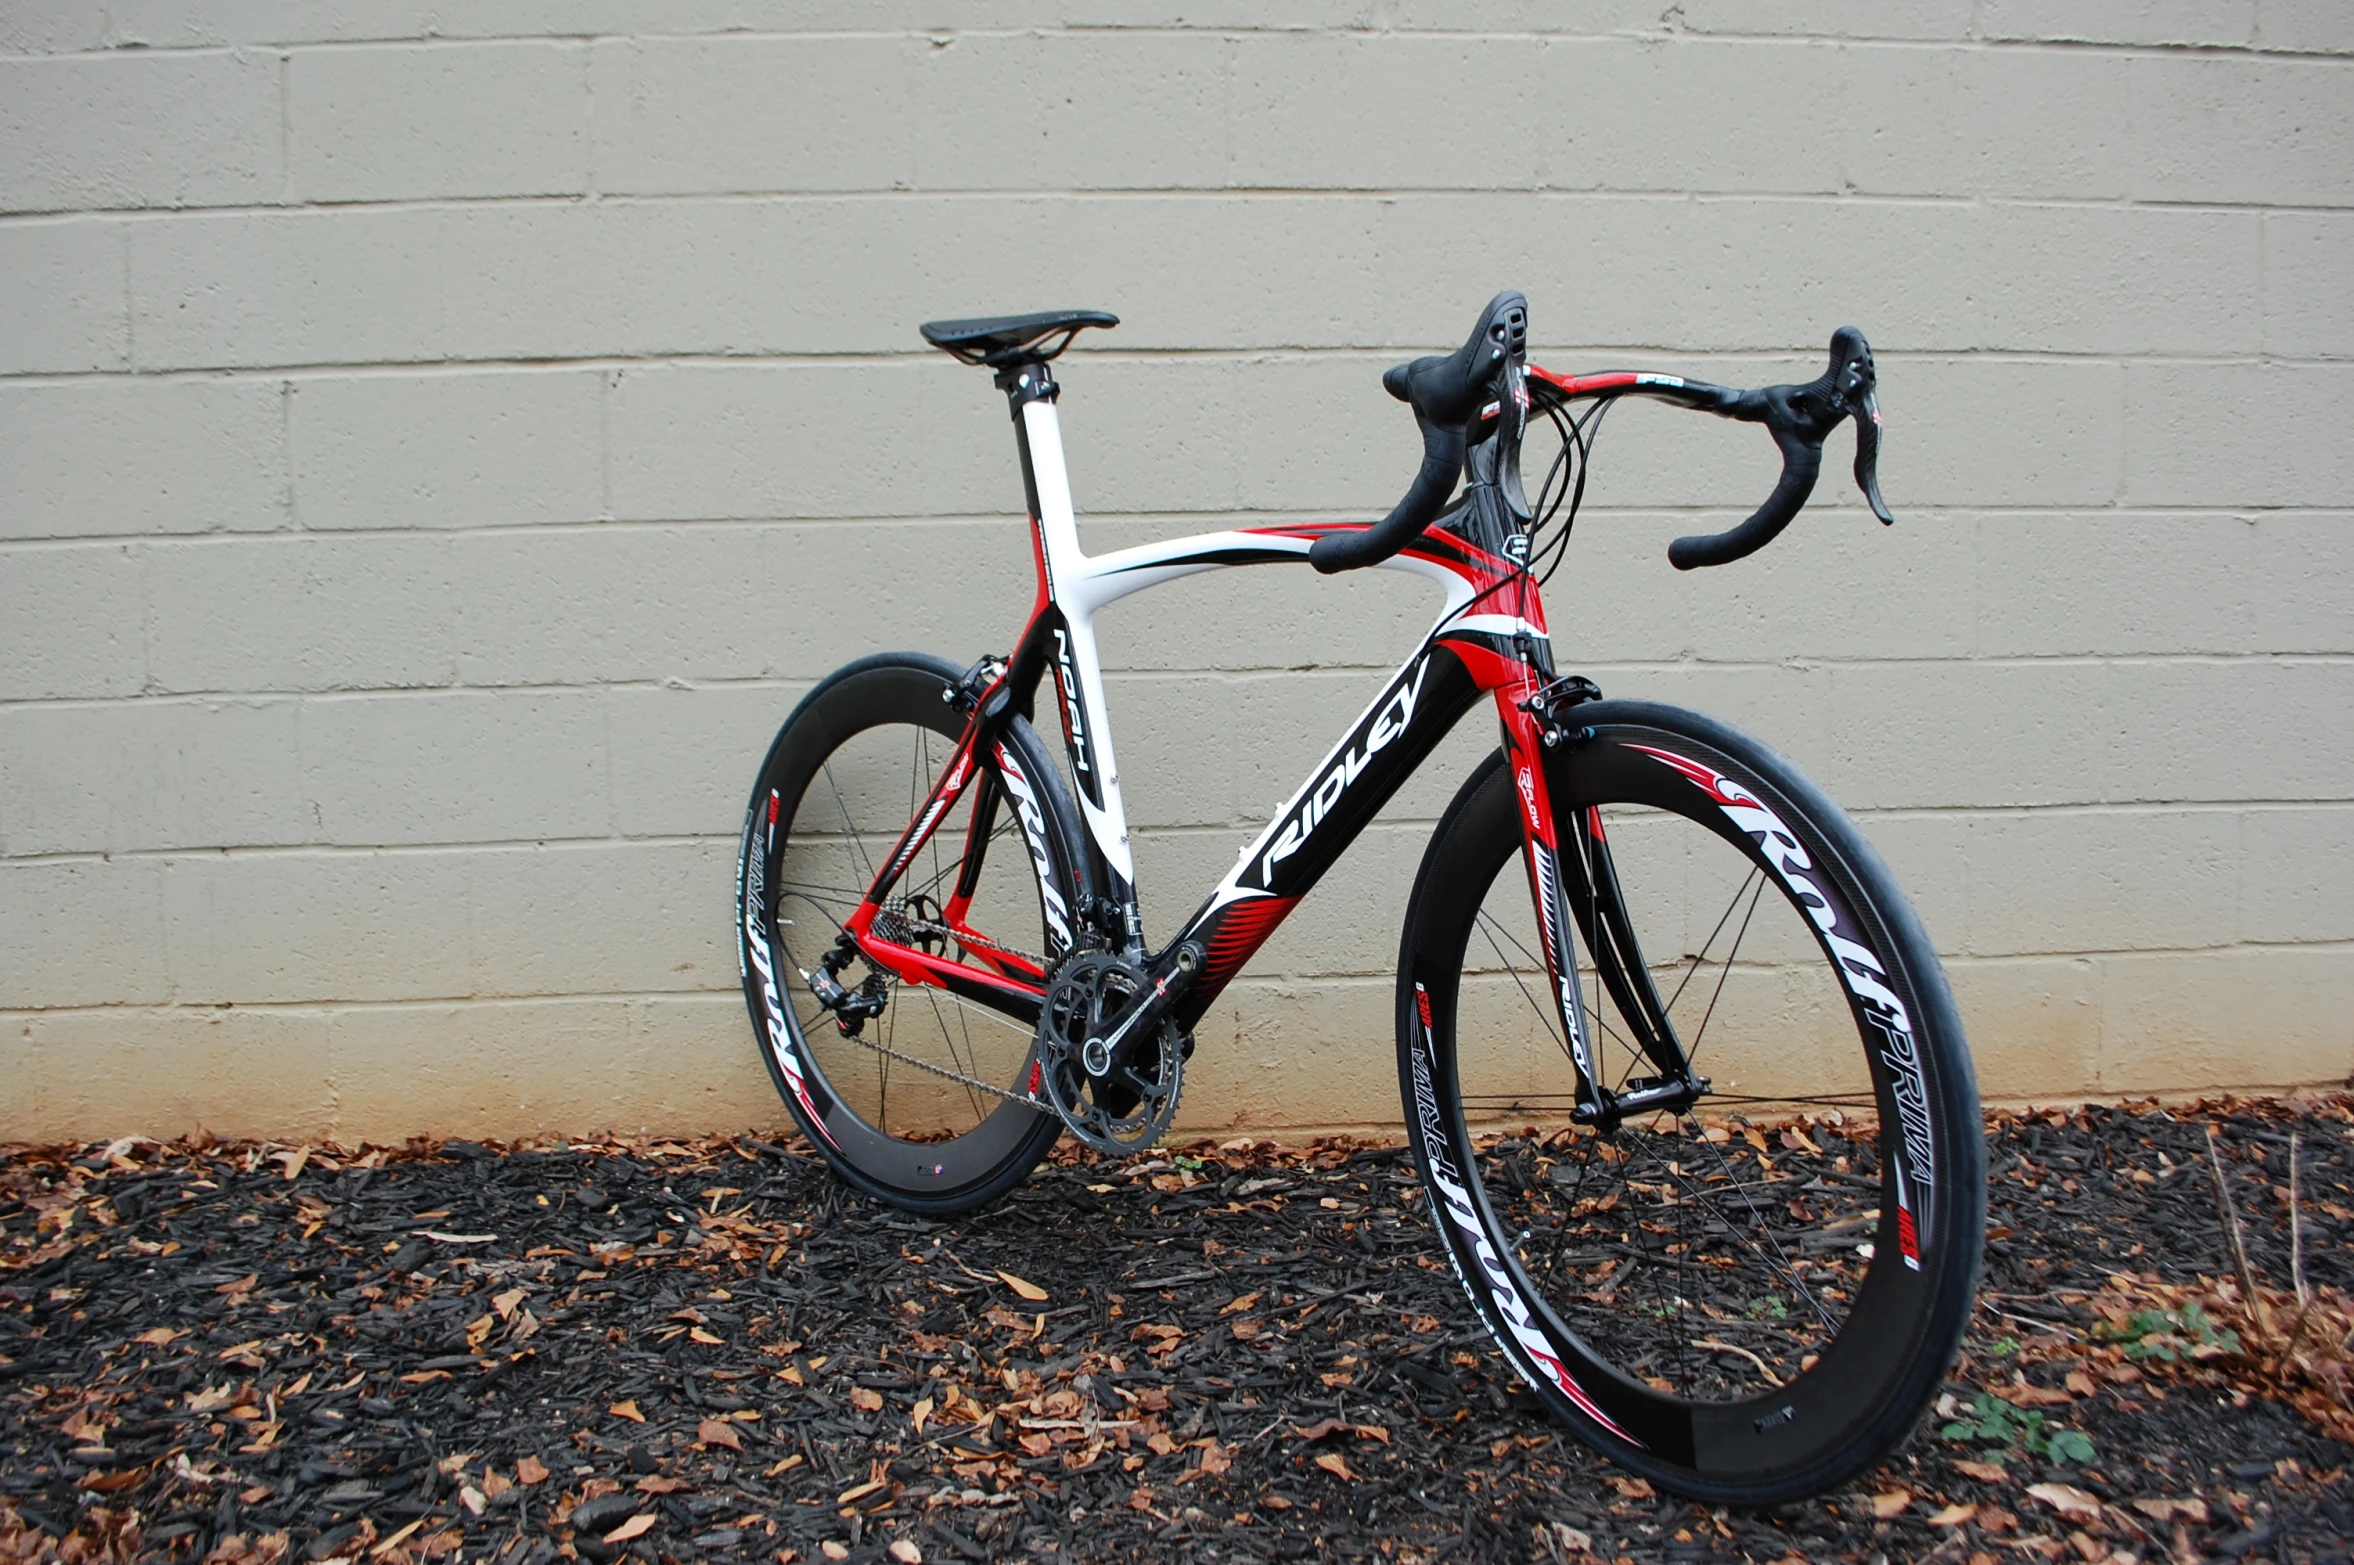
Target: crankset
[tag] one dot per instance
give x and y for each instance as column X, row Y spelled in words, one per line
column 1111, row 1070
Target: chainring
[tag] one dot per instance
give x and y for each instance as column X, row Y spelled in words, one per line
column 1115, row 1108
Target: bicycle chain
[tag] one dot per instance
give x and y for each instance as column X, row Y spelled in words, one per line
column 960, row 1079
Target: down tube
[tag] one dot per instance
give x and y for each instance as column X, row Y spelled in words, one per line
column 1418, row 707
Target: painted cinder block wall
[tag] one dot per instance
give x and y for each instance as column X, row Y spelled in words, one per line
column 439, row 443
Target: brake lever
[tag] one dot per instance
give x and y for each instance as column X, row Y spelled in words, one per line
column 1858, row 395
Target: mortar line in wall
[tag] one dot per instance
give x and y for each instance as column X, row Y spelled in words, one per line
column 1354, row 978
column 1225, row 831
column 1257, row 673
column 1218, row 520
column 1252, row 357
column 1967, row 42
column 1290, row 195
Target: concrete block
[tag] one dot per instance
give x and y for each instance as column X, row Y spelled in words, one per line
column 619, row 603
column 98, row 1074
column 1737, row 127
column 300, row 613
column 129, row 776
column 409, row 122
column 70, row 284
column 2307, row 576
column 2156, row 731
column 83, row 932
column 2087, row 881
column 52, row 27
column 675, row 115
column 698, row 442
column 2309, row 284
column 565, row 1066
column 2293, row 885
column 131, row 457
column 1116, row 115
column 2180, row 23
column 238, row 289
column 543, row 918
column 2123, row 583
column 456, row 767
column 1266, row 1037
column 2034, row 1026
column 302, row 927
column 2214, row 128
column 135, row 129
column 2013, row 123
column 2253, row 1016
column 2114, row 280
column 1822, row 19
column 2236, row 434
column 2304, row 25
column 683, row 760
column 1377, row 112
column 72, row 622
column 447, row 450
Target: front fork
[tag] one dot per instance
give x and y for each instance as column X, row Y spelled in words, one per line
column 1574, row 883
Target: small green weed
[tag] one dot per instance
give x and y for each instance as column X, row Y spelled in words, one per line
column 2168, row 1335
column 1769, row 1307
column 1997, row 1423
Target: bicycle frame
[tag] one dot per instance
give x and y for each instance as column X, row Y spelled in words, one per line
column 1490, row 638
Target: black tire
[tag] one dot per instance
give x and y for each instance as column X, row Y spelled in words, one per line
column 1749, row 1301
column 842, row 781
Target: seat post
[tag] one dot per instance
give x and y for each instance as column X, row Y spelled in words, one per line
column 1026, row 381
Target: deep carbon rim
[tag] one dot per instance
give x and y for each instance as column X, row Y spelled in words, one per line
column 984, row 1140
column 1729, row 1420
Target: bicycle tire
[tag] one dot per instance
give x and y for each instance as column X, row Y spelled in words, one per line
column 843, row 779
column 1751, row 1300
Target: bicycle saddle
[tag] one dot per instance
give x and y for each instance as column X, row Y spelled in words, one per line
column 999, row 340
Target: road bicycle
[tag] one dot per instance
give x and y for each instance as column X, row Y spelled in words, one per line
column 1686, row 1088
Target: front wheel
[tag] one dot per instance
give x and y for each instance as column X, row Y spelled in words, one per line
column 1750, row 1298
column 916, row 1093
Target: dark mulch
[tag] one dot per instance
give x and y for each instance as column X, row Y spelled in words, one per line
column 712, row 1350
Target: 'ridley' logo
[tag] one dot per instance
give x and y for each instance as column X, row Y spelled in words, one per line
column 1389, row 719
column 1067, row 678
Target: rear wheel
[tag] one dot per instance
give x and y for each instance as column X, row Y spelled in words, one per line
column 925, row 1101
column 1752, row 1297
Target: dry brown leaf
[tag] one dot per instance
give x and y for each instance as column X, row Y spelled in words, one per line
column 1027, row 1290
column 531, row 1470
column 1237, row 1306
column 858, row 1491
column 2194, row 1511
column 698, row 1334
column 1953, row 1516
column 1215, row 1457
column 905, row 1552
column 2068, row 1500
column 1984, row 1472
column 159, row 1336
column 108, row 1483
column 2081, row 1383
column 657, row 1483
column 921, row 1411
column 636, row 1527
column 1319, row 1429
column 1889, row 1504
column 505, row 1303
column 866, row 1401
column 1336, row 1464
column 628, row 1410
column 713, row 1432
column 1632, row 1488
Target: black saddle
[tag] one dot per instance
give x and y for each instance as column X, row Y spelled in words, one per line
column 999, row 340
